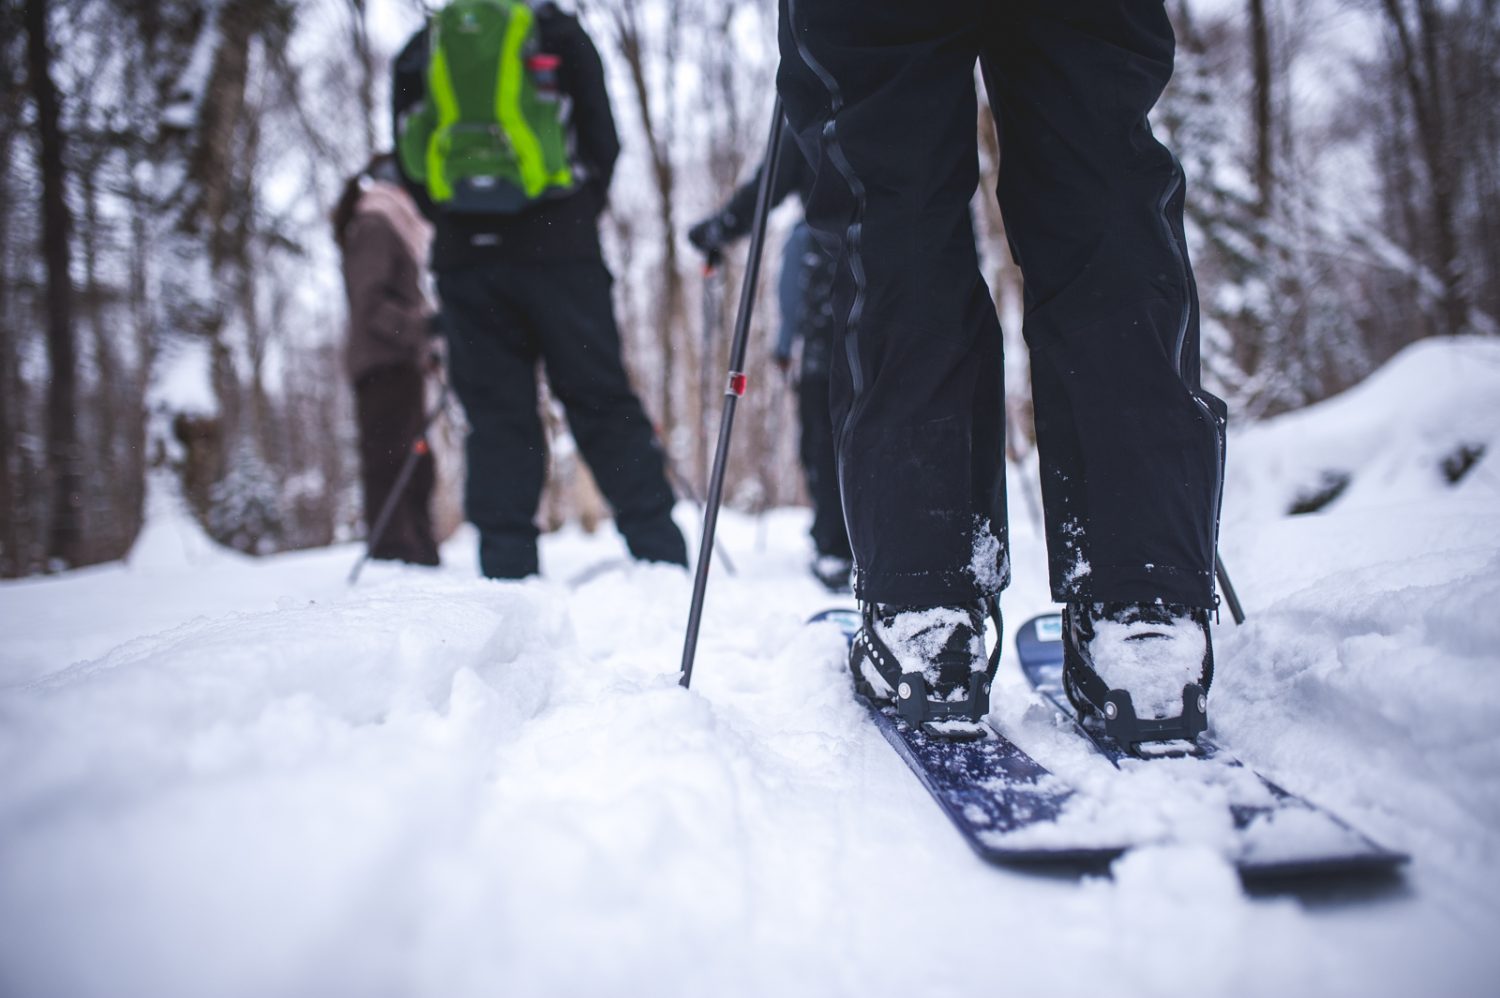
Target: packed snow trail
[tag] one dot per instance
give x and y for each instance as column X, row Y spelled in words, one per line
column 235, row 777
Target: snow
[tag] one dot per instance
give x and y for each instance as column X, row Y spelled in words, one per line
column 236, row 776
column 1390, row 434
column 181, row 382
column 1152, row 661
column 171, row 539
column 917, row 637
column 988, row 566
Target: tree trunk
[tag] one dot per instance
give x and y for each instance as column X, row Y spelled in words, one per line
column 670, row 307
column 143, row 330
column 202, row 246
column 1260, row 57
column 1423, row 75
column 65, row 532
column 364, row 58
column 104, row 417
column 11, row 559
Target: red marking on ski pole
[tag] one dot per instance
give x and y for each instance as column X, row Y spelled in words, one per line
column 737, row 384
column 420, row 446
column 543, row 61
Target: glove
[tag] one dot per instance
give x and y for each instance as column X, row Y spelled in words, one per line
column 435, row 326
column 708, row 235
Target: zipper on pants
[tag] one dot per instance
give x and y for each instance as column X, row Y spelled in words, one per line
column 1173, row 187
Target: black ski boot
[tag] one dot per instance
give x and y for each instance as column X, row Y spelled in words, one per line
column 833, row 572
column 930, row 662
column 1144, row 668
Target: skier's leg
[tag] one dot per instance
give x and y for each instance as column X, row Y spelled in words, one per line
column 1131, row 446
column 416, row 514
column 818, row 463
column 411, row 522
column 881, row 96
column 492, row 367
column 569, row 304
column 383, row 440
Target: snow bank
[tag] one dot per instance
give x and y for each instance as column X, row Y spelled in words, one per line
column 1371, row 652
column 1388, row 439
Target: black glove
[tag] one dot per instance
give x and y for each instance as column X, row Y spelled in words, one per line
column 708, row 235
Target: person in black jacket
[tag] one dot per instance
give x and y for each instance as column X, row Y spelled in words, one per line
column 807, row 313
column 520, row 288
column 881, row 95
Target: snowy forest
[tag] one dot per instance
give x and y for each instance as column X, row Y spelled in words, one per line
column 169, row 287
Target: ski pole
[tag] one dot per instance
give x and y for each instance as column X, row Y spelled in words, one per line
column 733, row 390
column 414, row 453
column 1235, row 610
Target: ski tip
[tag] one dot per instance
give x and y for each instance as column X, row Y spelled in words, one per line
column 1377, row 869
column 1044, row 628
column 1039, row 642
column 846, row 618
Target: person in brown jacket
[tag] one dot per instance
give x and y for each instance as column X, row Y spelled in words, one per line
column 384, row 240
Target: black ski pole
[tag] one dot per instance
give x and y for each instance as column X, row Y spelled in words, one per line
column 414, row 453
column 733, row 389
column 1235, row 610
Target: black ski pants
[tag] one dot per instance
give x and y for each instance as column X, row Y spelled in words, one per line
column 806, row 278
column 819, row 462
column 501, row 319
column 881, row 96
column 388, row 407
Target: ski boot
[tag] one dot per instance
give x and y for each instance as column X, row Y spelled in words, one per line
column 833, row 572
column 930, row 662
column 1144, row 668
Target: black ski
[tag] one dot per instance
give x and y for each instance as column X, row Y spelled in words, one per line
column 993, row 792
column 1279, row 834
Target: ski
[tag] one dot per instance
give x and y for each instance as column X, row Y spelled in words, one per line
column 991, row 790
column 1278, row 834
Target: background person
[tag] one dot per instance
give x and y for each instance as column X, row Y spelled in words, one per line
column 384, row 241
column 806, row 313
column 519, row 269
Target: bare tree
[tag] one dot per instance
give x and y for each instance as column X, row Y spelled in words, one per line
column 13, row 560
column 1416, row 29
column 65, row 533
column 365, row 64
column 632, row 44
column 1260, row 49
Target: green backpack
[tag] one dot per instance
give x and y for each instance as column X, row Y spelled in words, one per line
column 490, row 136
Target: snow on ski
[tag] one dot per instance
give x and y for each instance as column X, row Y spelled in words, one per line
column 1012, row 810
column 988, row 788
column 1277, row 833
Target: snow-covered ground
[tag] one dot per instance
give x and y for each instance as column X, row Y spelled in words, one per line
column 222, row 776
